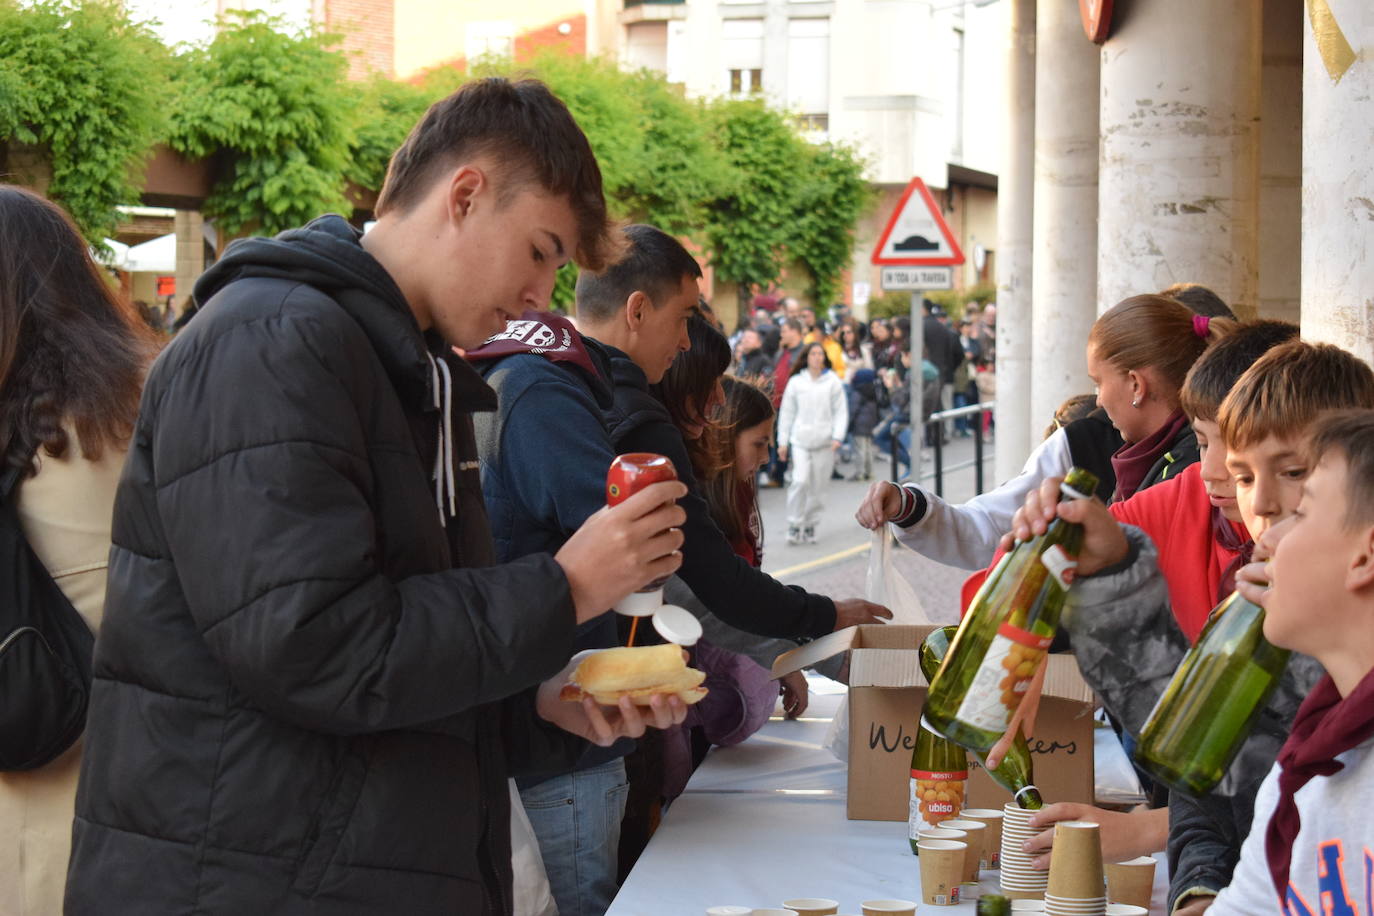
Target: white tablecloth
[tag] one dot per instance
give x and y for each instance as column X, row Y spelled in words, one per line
column 765, row 821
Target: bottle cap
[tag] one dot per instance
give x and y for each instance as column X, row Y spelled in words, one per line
column 677, row 624
column 640, row 604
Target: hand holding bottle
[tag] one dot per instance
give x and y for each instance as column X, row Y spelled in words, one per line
column 1104, row 543
column 622, row 548
column 1252, row 581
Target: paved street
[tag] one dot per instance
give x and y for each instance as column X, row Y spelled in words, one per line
column 837, row 564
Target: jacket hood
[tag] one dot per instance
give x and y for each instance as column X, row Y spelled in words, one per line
column 624, row 371
column 327, row 254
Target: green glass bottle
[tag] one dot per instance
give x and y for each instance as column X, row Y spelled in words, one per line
column 939, row 767
column 1007, row 631
column 993, row 905
column 939, row 777
column 1015, row 773
column 1206, row 712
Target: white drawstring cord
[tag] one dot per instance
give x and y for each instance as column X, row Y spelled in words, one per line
column 442, row 382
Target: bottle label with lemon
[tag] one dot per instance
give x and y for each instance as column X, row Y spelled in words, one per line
column 1002, row 678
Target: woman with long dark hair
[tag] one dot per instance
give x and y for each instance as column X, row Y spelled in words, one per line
column 695, row 390
column 72, row 360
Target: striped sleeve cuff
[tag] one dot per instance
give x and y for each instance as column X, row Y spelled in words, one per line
column 913, row 509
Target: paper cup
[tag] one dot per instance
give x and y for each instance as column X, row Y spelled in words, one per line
column 938, row 833
column 1131, row 882
column 1126, row 909
column 1028, row 906
column 773, row 911
column 812, row 906
column 890, row 907
column 992, row 839
column 730, row 911
column 977, row 845
column 942, row 871
column 1076, row 865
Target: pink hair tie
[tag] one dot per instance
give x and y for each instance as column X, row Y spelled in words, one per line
column 1201, row 323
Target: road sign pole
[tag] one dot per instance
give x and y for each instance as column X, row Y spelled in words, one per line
column 915, row 379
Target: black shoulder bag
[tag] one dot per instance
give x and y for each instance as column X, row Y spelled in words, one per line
column 45, row 651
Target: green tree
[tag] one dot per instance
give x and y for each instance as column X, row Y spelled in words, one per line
column 831, row 196
column 383, row 117
column 87, row 85
column 750, row 221
column 273, row 108
column 658, row 161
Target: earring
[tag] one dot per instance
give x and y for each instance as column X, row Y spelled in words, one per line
column 1135, row 403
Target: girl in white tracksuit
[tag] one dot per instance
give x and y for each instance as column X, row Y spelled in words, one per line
column 811, row 426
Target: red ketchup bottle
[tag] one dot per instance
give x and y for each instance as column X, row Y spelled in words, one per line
column 629, row 474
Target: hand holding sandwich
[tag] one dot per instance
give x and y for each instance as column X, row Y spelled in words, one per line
column 618, row 693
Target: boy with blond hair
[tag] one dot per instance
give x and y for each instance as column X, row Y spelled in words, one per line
column 1309, row 845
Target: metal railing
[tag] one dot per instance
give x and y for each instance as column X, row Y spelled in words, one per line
column 937, row 419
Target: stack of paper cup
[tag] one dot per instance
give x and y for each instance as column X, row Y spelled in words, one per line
column 1076, row 883
column 992, row 837
column 1019, row 880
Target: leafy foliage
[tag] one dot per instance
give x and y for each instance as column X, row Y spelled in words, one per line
column 750, row 220
column 87, row 85
column 273, row 107
column 287, row 135
column 658, row 162
column 382, row 119
column 831, row 196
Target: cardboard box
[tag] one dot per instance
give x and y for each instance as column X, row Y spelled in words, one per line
column 886, row 694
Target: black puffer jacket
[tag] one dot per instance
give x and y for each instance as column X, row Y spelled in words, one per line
column 301, row 701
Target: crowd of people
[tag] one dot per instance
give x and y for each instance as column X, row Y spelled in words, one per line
column 344, row 540
column 850, row 385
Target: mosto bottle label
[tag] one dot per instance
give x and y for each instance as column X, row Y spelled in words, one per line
column 1002, row 678
column 935, row 797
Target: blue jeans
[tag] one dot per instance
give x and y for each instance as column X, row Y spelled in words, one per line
column 576, row 817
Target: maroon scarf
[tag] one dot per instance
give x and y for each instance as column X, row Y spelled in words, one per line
column 1133, row 460
column 1236, row 542
column 543, row 333
column 1324, row 727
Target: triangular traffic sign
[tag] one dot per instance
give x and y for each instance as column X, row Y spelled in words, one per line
column 917, row 234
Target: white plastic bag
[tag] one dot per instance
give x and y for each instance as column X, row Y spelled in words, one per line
column 888, row 587
column 532, row 894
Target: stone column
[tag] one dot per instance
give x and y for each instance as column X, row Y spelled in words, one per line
column 1280, row 189
column 1064, row 299
column 1014, row 201
column 1179, row 178
column 1338, row 174
column 190, row 254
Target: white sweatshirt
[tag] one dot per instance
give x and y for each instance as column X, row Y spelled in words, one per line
column 1332, row 870
column 966, row 535
column 814, row 411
